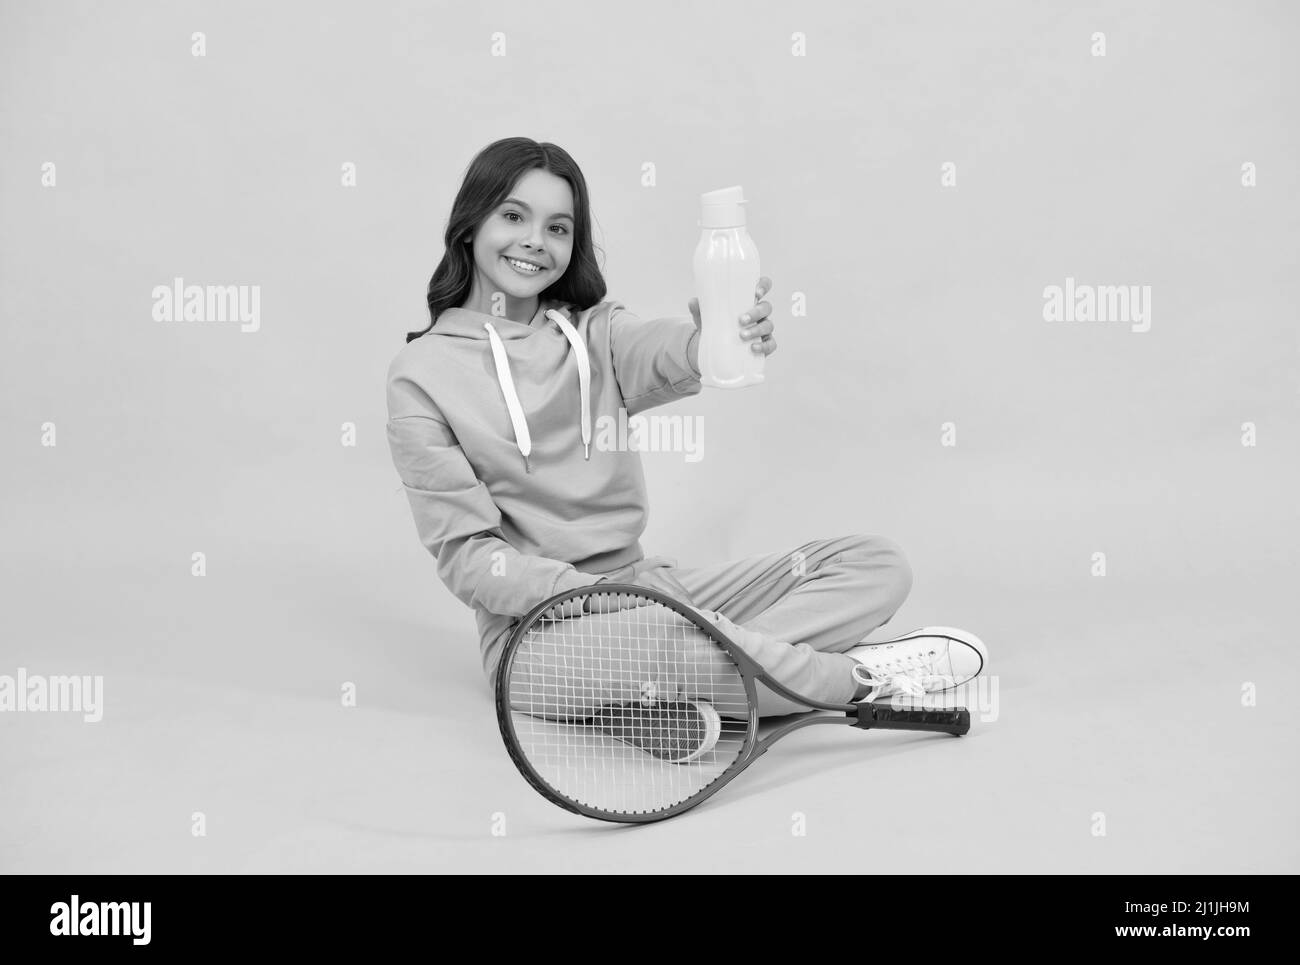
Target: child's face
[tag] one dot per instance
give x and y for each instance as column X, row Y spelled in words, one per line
column 534, row 224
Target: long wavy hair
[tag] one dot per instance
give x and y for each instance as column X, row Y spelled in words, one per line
column 488, row 181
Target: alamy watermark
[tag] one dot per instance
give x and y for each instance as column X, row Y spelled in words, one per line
column 979, row 696
column 655, row 433
column 122, row 918
column 179, row 302
column 1098, row 303
column 83, row 694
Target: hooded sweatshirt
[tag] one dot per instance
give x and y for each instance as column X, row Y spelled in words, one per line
column 493, row 426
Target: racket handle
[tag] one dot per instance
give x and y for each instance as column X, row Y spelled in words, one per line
column 945, row 720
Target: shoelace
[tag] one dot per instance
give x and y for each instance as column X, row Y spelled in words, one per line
column 913, row 675
column 913, row 683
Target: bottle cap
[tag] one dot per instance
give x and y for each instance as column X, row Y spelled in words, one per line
column 722, row 208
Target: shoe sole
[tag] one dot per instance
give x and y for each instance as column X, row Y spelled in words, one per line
column 710, row 718
column 952, row 633
column 712, row 731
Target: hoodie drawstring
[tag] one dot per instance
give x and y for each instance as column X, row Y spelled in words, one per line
column 584, row 377
column 517, row 419
column 522, row 439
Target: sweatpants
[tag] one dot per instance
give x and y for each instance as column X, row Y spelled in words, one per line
column 794, row 611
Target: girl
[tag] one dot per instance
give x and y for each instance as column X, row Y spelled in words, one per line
column 490, row 416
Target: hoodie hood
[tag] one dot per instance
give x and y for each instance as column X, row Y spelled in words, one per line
column 466, row 323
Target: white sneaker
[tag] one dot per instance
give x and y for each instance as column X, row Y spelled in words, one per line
column 925, row 661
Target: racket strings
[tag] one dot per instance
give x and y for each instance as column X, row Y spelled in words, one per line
column 631, row 711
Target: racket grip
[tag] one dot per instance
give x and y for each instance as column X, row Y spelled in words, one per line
column 944, row 720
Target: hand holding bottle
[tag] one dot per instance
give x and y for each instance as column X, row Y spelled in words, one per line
column 754, row 324
column 727, row 274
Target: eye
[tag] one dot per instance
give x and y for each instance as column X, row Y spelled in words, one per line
column 515, row 214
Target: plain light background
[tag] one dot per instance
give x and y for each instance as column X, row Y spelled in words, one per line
column 1118, row 694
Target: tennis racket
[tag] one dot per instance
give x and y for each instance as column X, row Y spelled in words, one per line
column 618, row 702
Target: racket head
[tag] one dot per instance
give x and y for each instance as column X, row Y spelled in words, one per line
column 632, row 715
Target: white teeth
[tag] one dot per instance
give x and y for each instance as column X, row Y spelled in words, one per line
column 523, row 265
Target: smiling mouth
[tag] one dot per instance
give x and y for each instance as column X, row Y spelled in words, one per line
column 523, row 267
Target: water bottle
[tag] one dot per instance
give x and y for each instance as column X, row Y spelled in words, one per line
column 726, row 276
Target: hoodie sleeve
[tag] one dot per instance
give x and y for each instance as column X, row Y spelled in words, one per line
column 652, row 359
column 460, row 524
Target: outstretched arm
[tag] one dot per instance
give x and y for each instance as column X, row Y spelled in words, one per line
column 655, row 360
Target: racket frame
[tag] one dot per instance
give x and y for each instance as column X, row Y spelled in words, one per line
column 862, row 714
